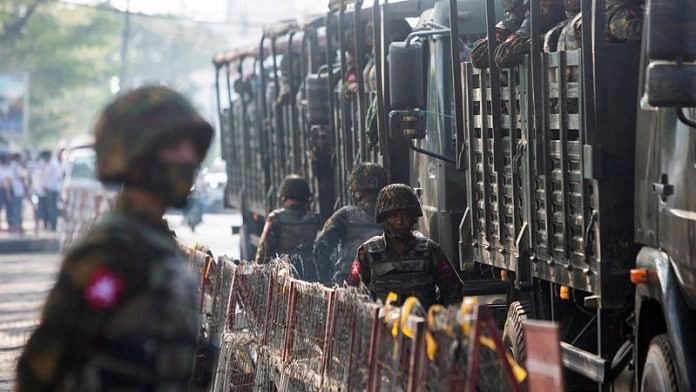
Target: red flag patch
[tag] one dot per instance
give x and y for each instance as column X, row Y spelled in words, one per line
column 104, row 289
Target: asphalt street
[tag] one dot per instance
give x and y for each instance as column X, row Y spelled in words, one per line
column 24, row 282
column 215, row 231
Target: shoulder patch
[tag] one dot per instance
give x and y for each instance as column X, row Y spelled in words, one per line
column 103, row 289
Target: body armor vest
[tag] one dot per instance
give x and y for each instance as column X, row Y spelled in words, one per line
column 297, row 239
column 408, row 275
column 360, row 227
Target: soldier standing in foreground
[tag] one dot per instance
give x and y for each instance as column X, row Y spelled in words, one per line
column 350, row 226
column 123, row 313
column 402, row 261
column 291, row 229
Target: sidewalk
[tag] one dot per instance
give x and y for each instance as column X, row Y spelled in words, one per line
column 29, row 241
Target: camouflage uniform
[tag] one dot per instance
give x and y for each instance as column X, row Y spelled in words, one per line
column 350, row 226
column 123, row 313
column 479, row 52
column 624, row 24
column 554, row 39
column 511, row 52
column 419, row 269
column 291, row 230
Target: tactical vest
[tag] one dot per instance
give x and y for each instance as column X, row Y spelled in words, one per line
column 360, row 227
column 296, row 239
column 408, row 275
column 149, row 342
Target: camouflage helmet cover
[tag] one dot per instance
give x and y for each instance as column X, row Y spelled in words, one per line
column 132, row 127
column 367, row 176
column 294, row 187
column 397, row 197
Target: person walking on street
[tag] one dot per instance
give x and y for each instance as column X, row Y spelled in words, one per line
column 291, row 229
column 5, row 188
column 51, row 185
column 17, row 191
column 403, row 261
column 123, row 312
column 350, row 226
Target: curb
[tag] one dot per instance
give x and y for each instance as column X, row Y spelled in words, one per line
column 29, row 245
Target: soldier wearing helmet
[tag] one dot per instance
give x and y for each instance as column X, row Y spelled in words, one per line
column 514, row 15
column 350, row 226
column 123, row 312
column 401, row 260
column 554, row 39
column 513, row 49
column 624, row 23
column 290, row 230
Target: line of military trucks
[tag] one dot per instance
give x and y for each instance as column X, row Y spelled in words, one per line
column 566, row 183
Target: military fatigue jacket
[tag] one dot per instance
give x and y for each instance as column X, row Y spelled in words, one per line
column 291, row 231
column 624, row 24
column 344, row 232
column 122, row 315
column 479, row 51
column 417, row 272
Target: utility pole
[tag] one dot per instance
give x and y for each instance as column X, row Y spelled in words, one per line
column 124, row 48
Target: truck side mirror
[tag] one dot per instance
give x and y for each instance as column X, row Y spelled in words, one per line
column 671, row 85
column 671, row 35
column 406, row 76
column 406, row 89
column 409, row 123
column 317, row 86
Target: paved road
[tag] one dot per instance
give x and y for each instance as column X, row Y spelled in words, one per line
column 24, row 282
column 215, row 231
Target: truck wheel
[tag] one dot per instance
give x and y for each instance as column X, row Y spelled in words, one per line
column 513, row 334
column 659, row 372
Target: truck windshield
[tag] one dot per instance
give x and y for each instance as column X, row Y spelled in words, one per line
column 439, row 135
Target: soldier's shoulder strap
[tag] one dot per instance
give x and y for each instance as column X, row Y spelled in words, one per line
column 375, row 245
column 423, row 243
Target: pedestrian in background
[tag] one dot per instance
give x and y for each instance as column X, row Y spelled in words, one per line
column 123, row 314
column 17, row 191
column 5, row 187
column 51, row 185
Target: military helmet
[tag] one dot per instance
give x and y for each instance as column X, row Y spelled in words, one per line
column 132, row 127
column 367, row 177
column 397, row 197
column 294, row 187
column 572, row 5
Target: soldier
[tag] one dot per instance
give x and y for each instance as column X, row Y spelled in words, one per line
column 401, row 260
column 515, row 11
column 291, row 229
column 511, row 52
column 554, row 36
column 123, row 312
column 350, row 226
column 624, row 24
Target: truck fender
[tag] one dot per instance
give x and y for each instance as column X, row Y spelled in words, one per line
column 680, row 321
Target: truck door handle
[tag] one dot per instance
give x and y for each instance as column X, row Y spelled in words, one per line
column 663, row 188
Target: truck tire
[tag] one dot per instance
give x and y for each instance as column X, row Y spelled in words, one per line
column 659, row 372
column 513, row 333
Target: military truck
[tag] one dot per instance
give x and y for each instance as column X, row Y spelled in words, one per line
column 562, row 183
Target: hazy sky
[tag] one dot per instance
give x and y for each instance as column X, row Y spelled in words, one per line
column 217, row 10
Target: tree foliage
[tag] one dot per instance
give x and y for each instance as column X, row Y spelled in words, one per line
column 71, row 54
